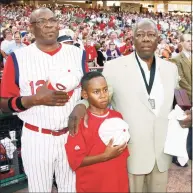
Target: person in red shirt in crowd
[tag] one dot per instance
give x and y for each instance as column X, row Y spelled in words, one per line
column 91, row 54
column 99, row 168
column 158, row 26
column 111, row 24
column 102, row 25
column 127, row 48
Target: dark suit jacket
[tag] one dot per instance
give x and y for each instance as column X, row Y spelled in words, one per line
column 100, row 59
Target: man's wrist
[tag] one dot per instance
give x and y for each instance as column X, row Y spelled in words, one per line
column 104, row 157
column 29, row 101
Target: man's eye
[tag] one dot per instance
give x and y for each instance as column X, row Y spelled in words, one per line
column 41, row 21
column 96, row 92
column 151, row 35
column 106, row 90
column 139, row 35
column 53, row 20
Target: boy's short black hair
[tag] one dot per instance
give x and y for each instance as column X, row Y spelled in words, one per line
column 88, row 76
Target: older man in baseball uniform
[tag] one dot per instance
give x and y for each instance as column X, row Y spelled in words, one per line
column 44, row 112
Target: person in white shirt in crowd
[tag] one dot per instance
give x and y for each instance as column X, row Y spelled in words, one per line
column 17, row 44
column 8, row 40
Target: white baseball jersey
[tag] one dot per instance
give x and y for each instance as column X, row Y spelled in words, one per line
column 34, row 67
column 44, row 154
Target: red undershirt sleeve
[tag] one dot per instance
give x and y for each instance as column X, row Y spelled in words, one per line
column 8, row 86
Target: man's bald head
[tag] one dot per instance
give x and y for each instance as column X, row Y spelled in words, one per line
column 44, row 26
column 35, row 14
column 145, row 21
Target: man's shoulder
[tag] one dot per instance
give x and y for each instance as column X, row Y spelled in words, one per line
column 168, row 65
column 4, row 43
column 178, row 57
column 120, row 61
column 72, row 48
column 24, row 49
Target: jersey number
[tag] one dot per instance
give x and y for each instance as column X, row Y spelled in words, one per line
column 36, row 86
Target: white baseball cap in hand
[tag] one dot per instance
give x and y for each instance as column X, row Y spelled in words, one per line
column 115, row 128
column 60, row 80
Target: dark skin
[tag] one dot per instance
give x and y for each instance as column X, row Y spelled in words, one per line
column 96, row 93
column 145, row 41
column 187, row 122
column 46, row 40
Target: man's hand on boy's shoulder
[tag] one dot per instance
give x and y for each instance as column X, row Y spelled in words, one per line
column 77, row 114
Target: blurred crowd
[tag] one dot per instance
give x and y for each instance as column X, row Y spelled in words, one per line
column 104, row 34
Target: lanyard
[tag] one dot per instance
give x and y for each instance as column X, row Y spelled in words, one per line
column 152, row 74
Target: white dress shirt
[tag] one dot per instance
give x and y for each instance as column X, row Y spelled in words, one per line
column 187, row 54
column 5, row 45
column 157, row 91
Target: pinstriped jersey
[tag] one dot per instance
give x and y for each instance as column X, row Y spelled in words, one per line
column 34, row 67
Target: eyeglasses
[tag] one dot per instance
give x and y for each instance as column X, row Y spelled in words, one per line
column 142, row 35
column 42, row 22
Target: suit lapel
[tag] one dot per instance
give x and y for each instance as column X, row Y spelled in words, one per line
column 138, row 81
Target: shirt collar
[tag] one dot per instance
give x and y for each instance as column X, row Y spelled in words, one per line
column 144, row 64
column 187, row 54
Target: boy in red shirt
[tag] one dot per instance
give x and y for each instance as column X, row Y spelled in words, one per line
column 99, row 168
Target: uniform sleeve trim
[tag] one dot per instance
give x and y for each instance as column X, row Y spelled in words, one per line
column 84, row 61
column 16, row 67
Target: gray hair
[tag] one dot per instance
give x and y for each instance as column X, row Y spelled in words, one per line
column 145, row 20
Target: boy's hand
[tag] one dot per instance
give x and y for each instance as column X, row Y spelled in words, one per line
column 113, row 151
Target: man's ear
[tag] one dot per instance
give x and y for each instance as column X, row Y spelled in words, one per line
column 84, row 94
column 133, row 38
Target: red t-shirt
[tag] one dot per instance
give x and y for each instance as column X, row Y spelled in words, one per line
column 109, row 176
column 159, row 27
column 125, row 50
column 102, row 26
column 91, row 53
column 111, row 23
